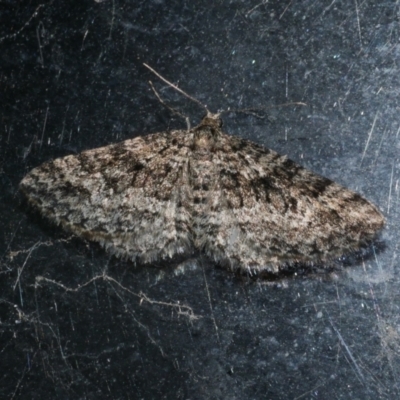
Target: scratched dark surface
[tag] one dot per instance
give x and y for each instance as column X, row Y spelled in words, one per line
column 78, row 324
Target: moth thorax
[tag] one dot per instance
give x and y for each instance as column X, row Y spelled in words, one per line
column 205, row 137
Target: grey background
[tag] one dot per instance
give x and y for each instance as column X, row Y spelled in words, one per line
column 77, row 324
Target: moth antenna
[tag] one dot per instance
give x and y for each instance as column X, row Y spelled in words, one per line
column 176, row 88
column 173, row 110
column 253, row 110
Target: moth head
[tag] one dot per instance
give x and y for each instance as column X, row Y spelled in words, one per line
column 212, row 120
column 206, row 134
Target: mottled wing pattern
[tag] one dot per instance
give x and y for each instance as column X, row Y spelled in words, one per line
column 266, row 211
column 170, row 193
column 131, row 197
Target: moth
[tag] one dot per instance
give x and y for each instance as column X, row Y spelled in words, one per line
column 201, row 190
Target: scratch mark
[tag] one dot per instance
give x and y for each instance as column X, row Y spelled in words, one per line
column 369, row 137
column 358, row 24
column 360, row 374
